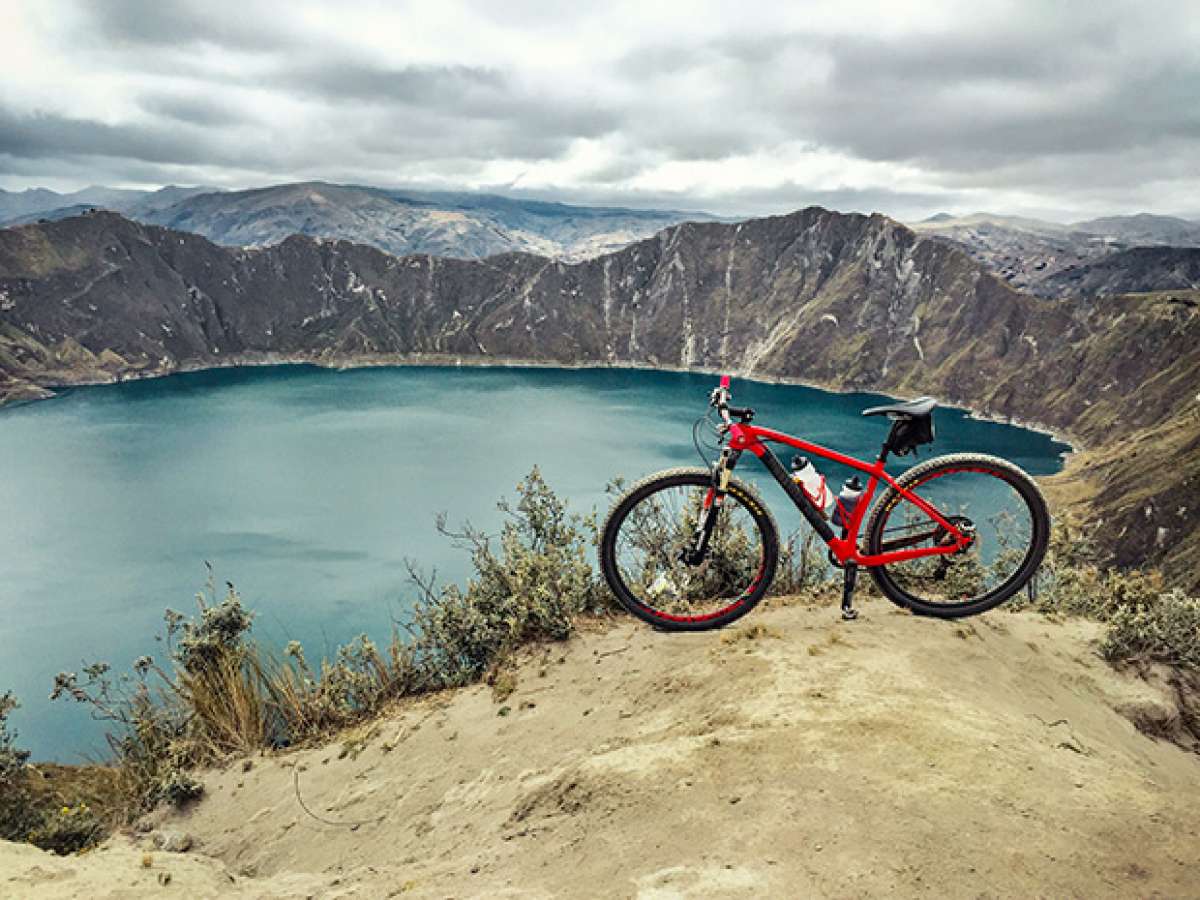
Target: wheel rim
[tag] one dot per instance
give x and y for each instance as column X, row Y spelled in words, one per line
column 659, row 527
column 981, row 500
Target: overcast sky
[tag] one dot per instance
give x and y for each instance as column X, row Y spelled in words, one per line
column 1061, row 109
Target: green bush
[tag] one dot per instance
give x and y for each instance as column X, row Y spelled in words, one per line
column 17, row 817
column 803, row 565
column 1145, row 620
column 38, row 816
column 531, row 588
column 68, row 830
column 219, row 692
column 1166, row 629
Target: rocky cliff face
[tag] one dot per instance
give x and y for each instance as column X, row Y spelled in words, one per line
column 845, row 301
column 1139, row 270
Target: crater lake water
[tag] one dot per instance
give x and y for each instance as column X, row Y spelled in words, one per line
column 309, row 488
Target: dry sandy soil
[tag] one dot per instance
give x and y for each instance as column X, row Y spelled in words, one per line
column 791, row 755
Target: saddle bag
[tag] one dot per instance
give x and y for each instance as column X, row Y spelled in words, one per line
column 910, row 432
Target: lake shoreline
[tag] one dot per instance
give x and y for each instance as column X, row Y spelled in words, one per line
column 49, row 390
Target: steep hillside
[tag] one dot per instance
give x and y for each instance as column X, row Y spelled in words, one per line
column 845, row 301
column 1140, row 270
column 793, row 755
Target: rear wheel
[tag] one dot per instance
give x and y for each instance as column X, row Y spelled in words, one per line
column 990, row 498
column 644, row 551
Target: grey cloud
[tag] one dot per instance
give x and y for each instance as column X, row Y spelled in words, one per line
column 48, row 135
column 191, row 110
column 1082, row 103
column 952, row 101
column 460, row 93
column 181, row 23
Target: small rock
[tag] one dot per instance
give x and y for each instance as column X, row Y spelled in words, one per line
column 173, row 841
column 164, row 878
column 247, row 765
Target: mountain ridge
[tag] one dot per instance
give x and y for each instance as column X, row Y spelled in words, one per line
column 399, row 221
column 839, row 301
column 1034, row 255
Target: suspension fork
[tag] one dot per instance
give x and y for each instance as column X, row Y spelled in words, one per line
column 713, row 500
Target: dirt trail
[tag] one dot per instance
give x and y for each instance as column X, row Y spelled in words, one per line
column 791, row 755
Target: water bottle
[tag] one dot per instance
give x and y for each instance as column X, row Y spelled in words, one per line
column 848, row 499
column 812, row 482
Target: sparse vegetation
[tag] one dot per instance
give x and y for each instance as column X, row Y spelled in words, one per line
column 16, row 816
column 220, row 693
column 217, row 692
column 52, row 807
column 1146, row 620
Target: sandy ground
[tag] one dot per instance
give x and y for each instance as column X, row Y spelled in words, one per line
column 791, row 755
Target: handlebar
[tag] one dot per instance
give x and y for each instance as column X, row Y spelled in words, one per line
column 719, row 400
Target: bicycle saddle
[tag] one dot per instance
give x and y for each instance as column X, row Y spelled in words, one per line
column 922, row 406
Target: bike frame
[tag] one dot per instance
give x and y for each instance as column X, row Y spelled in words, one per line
column 744, row 437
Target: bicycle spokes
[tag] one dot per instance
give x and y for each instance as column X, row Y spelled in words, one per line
column 989, row 510
column 663, row 559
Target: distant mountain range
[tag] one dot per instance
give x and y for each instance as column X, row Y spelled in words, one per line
column 451, row 224
column 1138, row 270
column 1045, row 258
column 844, row 301
column 24, row 207
column 1037, row 256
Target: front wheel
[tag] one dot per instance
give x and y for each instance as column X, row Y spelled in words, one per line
column 647, row 544
column 990, row 498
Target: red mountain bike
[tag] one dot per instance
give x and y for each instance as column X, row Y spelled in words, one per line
column 693, row 548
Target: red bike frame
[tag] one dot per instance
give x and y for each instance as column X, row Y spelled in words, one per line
column 746, row 437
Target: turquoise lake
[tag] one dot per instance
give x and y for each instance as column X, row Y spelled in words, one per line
column 309, row 488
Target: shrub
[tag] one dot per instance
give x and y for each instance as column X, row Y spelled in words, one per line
column 12, row 760
column 1166, row 629
column 803, row 565
column 219, row 692
column 34, row 810
column 68, row 830
column 16, row 814
column 1145, row 621
column 532, row 588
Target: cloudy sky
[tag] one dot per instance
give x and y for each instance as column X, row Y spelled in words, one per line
column 1061, row 109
